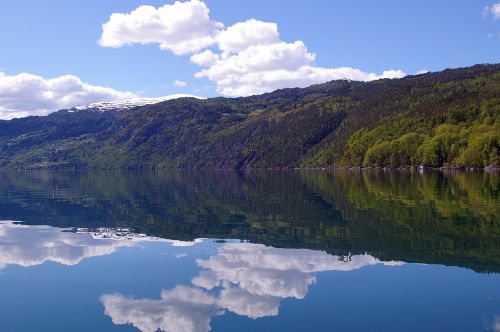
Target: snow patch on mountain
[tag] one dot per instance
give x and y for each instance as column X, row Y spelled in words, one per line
column 131, row 103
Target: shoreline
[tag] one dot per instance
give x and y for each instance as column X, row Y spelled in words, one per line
column 420, row 169
column 412, row 169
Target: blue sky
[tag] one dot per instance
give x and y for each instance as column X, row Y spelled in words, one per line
column 54, row 38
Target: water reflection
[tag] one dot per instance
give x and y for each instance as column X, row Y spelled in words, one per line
column 26, row 245
column 495, row 325
column 450, row 219
column 276, row 272
column 243, row 278
column 180, row 309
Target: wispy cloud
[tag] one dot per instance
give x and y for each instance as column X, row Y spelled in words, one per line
column 494, row 10
column 178, row 83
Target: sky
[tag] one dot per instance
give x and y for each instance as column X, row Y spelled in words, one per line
column 58, row 54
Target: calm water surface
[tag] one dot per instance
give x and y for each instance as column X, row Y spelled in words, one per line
column 253, row 251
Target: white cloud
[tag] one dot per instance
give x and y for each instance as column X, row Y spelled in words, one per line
column 252, row 58
column 205, row 58
column 260, row 57
column 422, row 71
column 264, row 68
column 493, row 10
column 27, row 94
column 183, row 27
column 179, row 83
column 242, row 35
column 390, row 74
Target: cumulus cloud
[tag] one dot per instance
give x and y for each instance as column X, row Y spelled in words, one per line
column 493, row 10
column 422, row 71
column 251, row 57
column 179, row 83
column 182, row 27
column 242, row 35
column 205, row 58
column 26, row 94
column 264, row 68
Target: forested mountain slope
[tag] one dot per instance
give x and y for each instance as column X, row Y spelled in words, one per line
column 446, row 118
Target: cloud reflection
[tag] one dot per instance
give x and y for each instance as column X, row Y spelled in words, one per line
column 34, row 245
column 495, row 326
column 27, row 245
column 180, row 309
column 246, row 279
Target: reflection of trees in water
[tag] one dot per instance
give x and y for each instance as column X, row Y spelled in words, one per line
column 435, row 217
column 451, row 218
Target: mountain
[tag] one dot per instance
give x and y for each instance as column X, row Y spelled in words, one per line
column 449, row 118
column 131, row 103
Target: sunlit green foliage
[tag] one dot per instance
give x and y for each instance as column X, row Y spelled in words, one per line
column 450, row 118
column 464, row 137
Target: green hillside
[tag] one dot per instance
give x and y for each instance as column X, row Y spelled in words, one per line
column 450, row 118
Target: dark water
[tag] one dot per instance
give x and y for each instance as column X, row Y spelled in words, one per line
column 266, row 251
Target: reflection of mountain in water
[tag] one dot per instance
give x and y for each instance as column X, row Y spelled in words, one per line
column 450, row 219
column 243, row 278
column 246, row 279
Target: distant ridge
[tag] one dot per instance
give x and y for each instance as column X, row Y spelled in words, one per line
column 131, row 103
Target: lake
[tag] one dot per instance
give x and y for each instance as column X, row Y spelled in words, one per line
column 249, row 251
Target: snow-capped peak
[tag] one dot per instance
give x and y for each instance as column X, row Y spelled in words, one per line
column 131, row 103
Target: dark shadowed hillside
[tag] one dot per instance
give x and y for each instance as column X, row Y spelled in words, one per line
column 450, row 118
